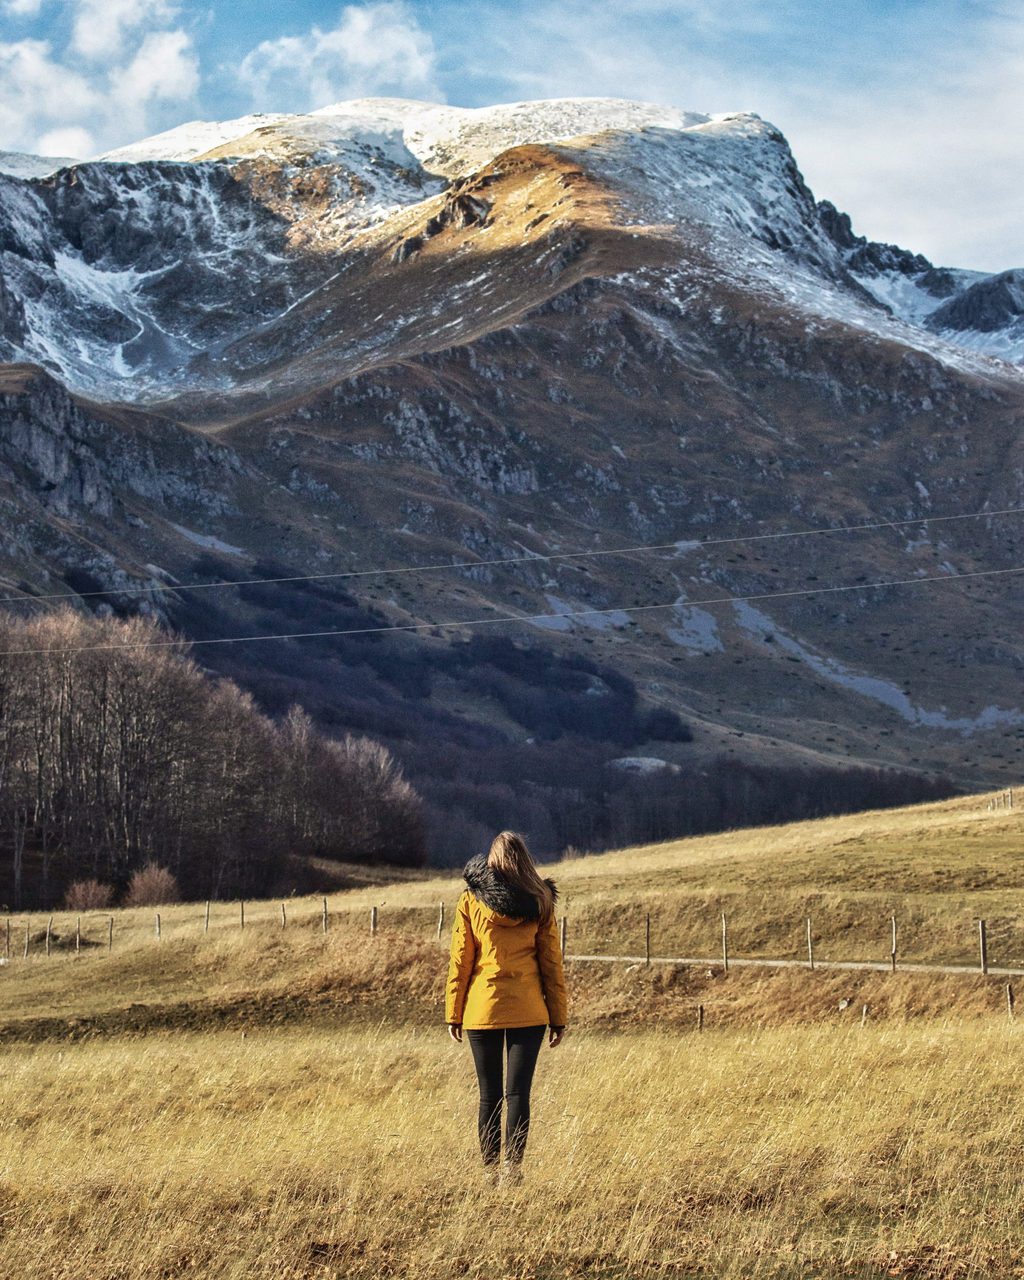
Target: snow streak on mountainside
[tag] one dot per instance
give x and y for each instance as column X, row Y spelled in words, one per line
column 22, row 165
column 132, row 274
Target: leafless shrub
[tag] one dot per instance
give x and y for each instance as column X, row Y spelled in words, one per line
column 88, row 895
column 151, row 886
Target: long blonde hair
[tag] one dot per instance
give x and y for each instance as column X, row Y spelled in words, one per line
column 509, row 855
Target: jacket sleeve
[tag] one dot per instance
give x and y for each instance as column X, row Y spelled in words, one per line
column 552, row 973
column 461, row 959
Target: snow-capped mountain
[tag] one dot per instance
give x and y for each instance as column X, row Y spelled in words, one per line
column 390, row 333
column 135, row 273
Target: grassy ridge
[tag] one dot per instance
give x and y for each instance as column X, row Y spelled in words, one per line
column 939, row 867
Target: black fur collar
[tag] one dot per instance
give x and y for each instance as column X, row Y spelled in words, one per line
column 494, row 891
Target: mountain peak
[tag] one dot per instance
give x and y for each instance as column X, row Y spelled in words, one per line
column 225, row 227
column 446, row 140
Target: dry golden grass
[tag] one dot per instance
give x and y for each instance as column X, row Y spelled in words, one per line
column 888, row 1150
column 143, row 1135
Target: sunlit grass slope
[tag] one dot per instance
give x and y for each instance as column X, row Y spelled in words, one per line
column 937, row 867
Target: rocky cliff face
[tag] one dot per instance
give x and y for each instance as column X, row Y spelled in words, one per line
column 390, row 337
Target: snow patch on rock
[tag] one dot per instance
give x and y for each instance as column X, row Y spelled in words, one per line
column 877, row 689
column 208, row 541
column 697, row 630
column 643, row 765
column 564, row 614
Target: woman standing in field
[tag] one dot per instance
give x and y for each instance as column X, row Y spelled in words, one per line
column 505, row 987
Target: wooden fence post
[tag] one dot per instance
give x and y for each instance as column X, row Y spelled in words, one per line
column 810, row 944
column 440, row 921
column 864, row 1016
column 241, row 913
column 373, row 921
column 49, row 926
column 982, row 946
column 110, row 933
column 1009, row 1001
column 700, row 1017
column 206, row 926
column 324, row 921
column 647, row 940
column 563, row 930
column 893, row 952
column 158, row 926
column 725, row 943
column 78, row 934
column 26, row 939
column 284, row 919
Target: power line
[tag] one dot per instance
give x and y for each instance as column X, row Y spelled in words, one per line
column 534, row 617
column 536, row 558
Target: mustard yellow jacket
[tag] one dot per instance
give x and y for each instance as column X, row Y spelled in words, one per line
column 504, row 970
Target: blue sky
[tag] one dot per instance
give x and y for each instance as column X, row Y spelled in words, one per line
column 906, row 113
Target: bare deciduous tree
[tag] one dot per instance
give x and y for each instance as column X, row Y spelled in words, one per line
column 117, row 756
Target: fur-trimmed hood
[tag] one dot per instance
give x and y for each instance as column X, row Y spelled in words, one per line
column 494, row 891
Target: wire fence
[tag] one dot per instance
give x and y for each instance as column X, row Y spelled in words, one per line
column 45, row 943
column 23, row 940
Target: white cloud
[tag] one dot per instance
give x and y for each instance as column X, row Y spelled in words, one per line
column 932, row 161
column 36, row 91
column 164, row 67
column 375, row 49
column 23, row 8
column 51, row 105
column 631, row 50
column 101, row 26
column 71, row 141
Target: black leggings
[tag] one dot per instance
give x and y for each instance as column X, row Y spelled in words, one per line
column 523, row 1046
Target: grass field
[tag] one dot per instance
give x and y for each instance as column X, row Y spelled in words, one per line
column 795, row 1152
column 274, row 1102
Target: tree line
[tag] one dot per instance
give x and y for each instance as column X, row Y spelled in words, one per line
column 573, row 794
column 118, row 757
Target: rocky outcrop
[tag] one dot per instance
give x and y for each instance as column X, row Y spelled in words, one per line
column 863, row 256
column 989, row 305
column 78, row 459
column 48, row 446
